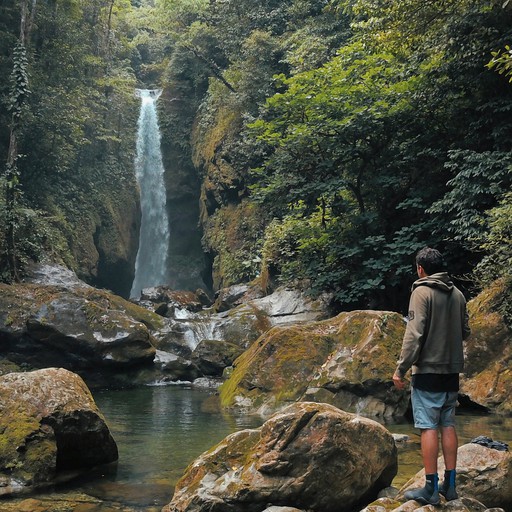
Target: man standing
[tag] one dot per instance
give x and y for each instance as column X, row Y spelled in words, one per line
column 432, row 346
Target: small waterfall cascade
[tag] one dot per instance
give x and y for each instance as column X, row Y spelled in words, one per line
column 151, row 265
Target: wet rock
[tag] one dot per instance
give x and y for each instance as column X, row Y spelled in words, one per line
column 460, row 505
column 311, row 456
column 174, row 367
column 346, row 361
column 55, row 275
column 186, row 330
column 67, row 502
column 236, row 295
column 400, row 438
column 212, row 356
column 161, row 296
column 483, row 474
column 78, row 328
column 282, row 509
column 49, row 424
column 230, row 297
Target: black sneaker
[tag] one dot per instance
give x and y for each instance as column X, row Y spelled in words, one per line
column 423, row 496
column 450, row 493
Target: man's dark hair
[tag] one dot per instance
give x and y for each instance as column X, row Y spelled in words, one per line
column 431, row 260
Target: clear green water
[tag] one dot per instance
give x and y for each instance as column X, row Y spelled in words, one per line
column 160, row 430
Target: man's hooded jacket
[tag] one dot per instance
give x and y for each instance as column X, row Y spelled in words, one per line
column 438, row 323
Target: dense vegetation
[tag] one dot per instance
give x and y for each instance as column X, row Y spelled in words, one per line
column 331, row 138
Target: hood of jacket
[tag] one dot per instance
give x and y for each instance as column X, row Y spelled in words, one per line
column 441, row 281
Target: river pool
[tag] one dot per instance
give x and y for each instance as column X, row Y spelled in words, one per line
column 160, row 430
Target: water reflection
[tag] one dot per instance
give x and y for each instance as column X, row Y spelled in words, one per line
column 160, row 430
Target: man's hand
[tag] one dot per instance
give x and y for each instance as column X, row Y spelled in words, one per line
column 399, row 382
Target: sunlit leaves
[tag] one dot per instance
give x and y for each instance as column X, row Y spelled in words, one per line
column 329, row 122
column 502, row 62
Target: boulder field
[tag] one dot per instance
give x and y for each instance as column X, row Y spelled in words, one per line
column 348, row 361
column 276, row 355
column 270, row 350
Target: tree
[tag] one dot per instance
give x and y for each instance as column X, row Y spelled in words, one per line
column 17, row 100
column 360, row 146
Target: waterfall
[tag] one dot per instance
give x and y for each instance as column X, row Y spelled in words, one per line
column 151, row 265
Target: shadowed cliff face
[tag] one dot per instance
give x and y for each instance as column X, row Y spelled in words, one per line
column 187, row 264
column 106, row 238
column 109, row 261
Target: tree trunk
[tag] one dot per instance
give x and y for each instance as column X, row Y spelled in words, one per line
column 12, row 190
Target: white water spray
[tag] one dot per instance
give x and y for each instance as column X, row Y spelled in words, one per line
column 151, row 265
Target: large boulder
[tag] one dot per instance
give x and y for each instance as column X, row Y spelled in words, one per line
column 484, row 474
column 310, row 456
column 75, row 327
column 346, row 361
column 487, row 377
column 49, row 424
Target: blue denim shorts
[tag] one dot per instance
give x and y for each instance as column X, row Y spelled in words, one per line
column 433, row 409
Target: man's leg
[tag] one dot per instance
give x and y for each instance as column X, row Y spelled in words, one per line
column 449, row 442
column 426, row 407
column 428, row 495
column 430, row 450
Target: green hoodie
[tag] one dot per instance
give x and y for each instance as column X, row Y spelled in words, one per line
column 438, row 322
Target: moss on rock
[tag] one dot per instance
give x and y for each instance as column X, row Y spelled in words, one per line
column 488, row 377
column 49, row 422
column 351, row 351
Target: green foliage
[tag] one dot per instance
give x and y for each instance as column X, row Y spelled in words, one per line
column 76, row 130
column 479, row 181
column 234, row 235
column 497, row 243
column 36, row 236
column 19, row 82
column 290, row 244
column 364, row 129
column 360, row 141
column 502, row 62
column 497, row 261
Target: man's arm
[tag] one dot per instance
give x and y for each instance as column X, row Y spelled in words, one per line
column 414, row 335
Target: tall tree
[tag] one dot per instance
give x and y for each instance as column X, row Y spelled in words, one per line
column 17, row 100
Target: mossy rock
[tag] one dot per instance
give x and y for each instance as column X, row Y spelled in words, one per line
column 79, row 328
column 49, row 423
column 488, row 377
column 354, row 353
column 311, row 456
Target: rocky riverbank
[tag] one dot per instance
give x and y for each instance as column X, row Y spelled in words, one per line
column 269, row 352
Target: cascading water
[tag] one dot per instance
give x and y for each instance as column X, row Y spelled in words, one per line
column 151, row 265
